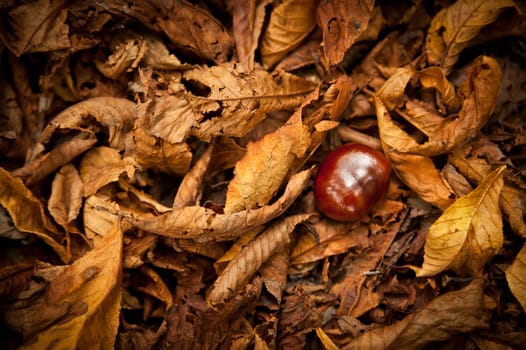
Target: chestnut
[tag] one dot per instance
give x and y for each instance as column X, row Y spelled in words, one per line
column 350, row 181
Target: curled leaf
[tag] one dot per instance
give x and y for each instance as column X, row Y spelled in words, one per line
column 66, row 195
column 250, row 259
column 516, row 277
column 205, row 225
column 469, row 232
column 453, row 28
column 290, row 22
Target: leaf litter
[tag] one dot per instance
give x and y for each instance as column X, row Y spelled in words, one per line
column 157, row 161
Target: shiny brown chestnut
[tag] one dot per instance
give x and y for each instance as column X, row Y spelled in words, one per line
column 350, row 181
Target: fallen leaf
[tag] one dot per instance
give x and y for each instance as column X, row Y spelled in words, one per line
column 28, row 214
column 418, row 172
column 205, row 225
column 435, row 77
column 252, row 256
column 461, row 311
column 290, row 23
column 262, row 170
column 245, row 97
column 342, row 23
column 65, row 200
column 101, row 166
column 454, row 27
column 39, row 26
column 516, row 277
column 248, row 20
column 469, row 232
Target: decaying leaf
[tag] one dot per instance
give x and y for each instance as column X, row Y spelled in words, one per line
column 28, row 214
column 203, row 224
column 290, row 22
column 245, row 98
column 454, row 27
column 469, row 232
column 250, row 259
column 66, row 195
column 516, row 277
column 260, row 173
column 342, row 23
column 455, row 312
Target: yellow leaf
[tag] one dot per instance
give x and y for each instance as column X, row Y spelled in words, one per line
column 290, row 22
column 453, row 28
column 326, row 341
column 469, row 232
column 516, row 277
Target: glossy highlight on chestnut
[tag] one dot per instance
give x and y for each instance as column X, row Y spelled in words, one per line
column 350, row 181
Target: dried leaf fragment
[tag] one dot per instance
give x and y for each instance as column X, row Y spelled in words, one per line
column 469, row 232
column 66, row 195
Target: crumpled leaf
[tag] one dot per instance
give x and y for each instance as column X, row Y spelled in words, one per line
column 189, row 27
column 248, row 19
column 129, row 49
column 435, row 77
column 342, row 23
column 205, row 225
column 454, row 27
column 516, row 277
column 245, row 98
column 392, row 92
column 37, row 26
column 418, row 172
column 28, row 213
column 82, row 304
column 290, row 23
column 101, row 166
column 453, row 313
column 240, row 270
column 65, row 200
column 260, row 173
column 468, row 234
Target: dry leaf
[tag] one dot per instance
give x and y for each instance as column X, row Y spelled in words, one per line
column 101, row 166
column 453, row 28
column 80, row 305
column 28, row 213
column 516, row 277
column 392, row 92
column 248, row 19
column 469, row 232
column 435, row 77
column 261, row 172
column 290, row 23
column 204, row 225
column 244, row 98
column 38, row 26
column 418, row 172
column 453, row 313
column 342, row 23
column 65, row 200
column 240, row 270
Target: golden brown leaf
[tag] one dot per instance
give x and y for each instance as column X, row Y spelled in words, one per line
column 240, row 270
column 204, row 225
column 81, row 304
column 66, row 195
column 435, row 77
column 261, row 172
column 28, row 213
column 516, row 277
column 245, row 97
column 392, row 92
column 342, row 23
column 101, row 166
column 290, row 23
column 461, row 311
column 418, row 172
column 454, row 27
column 469, row 232
column 248, row 19
column 38, row 26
